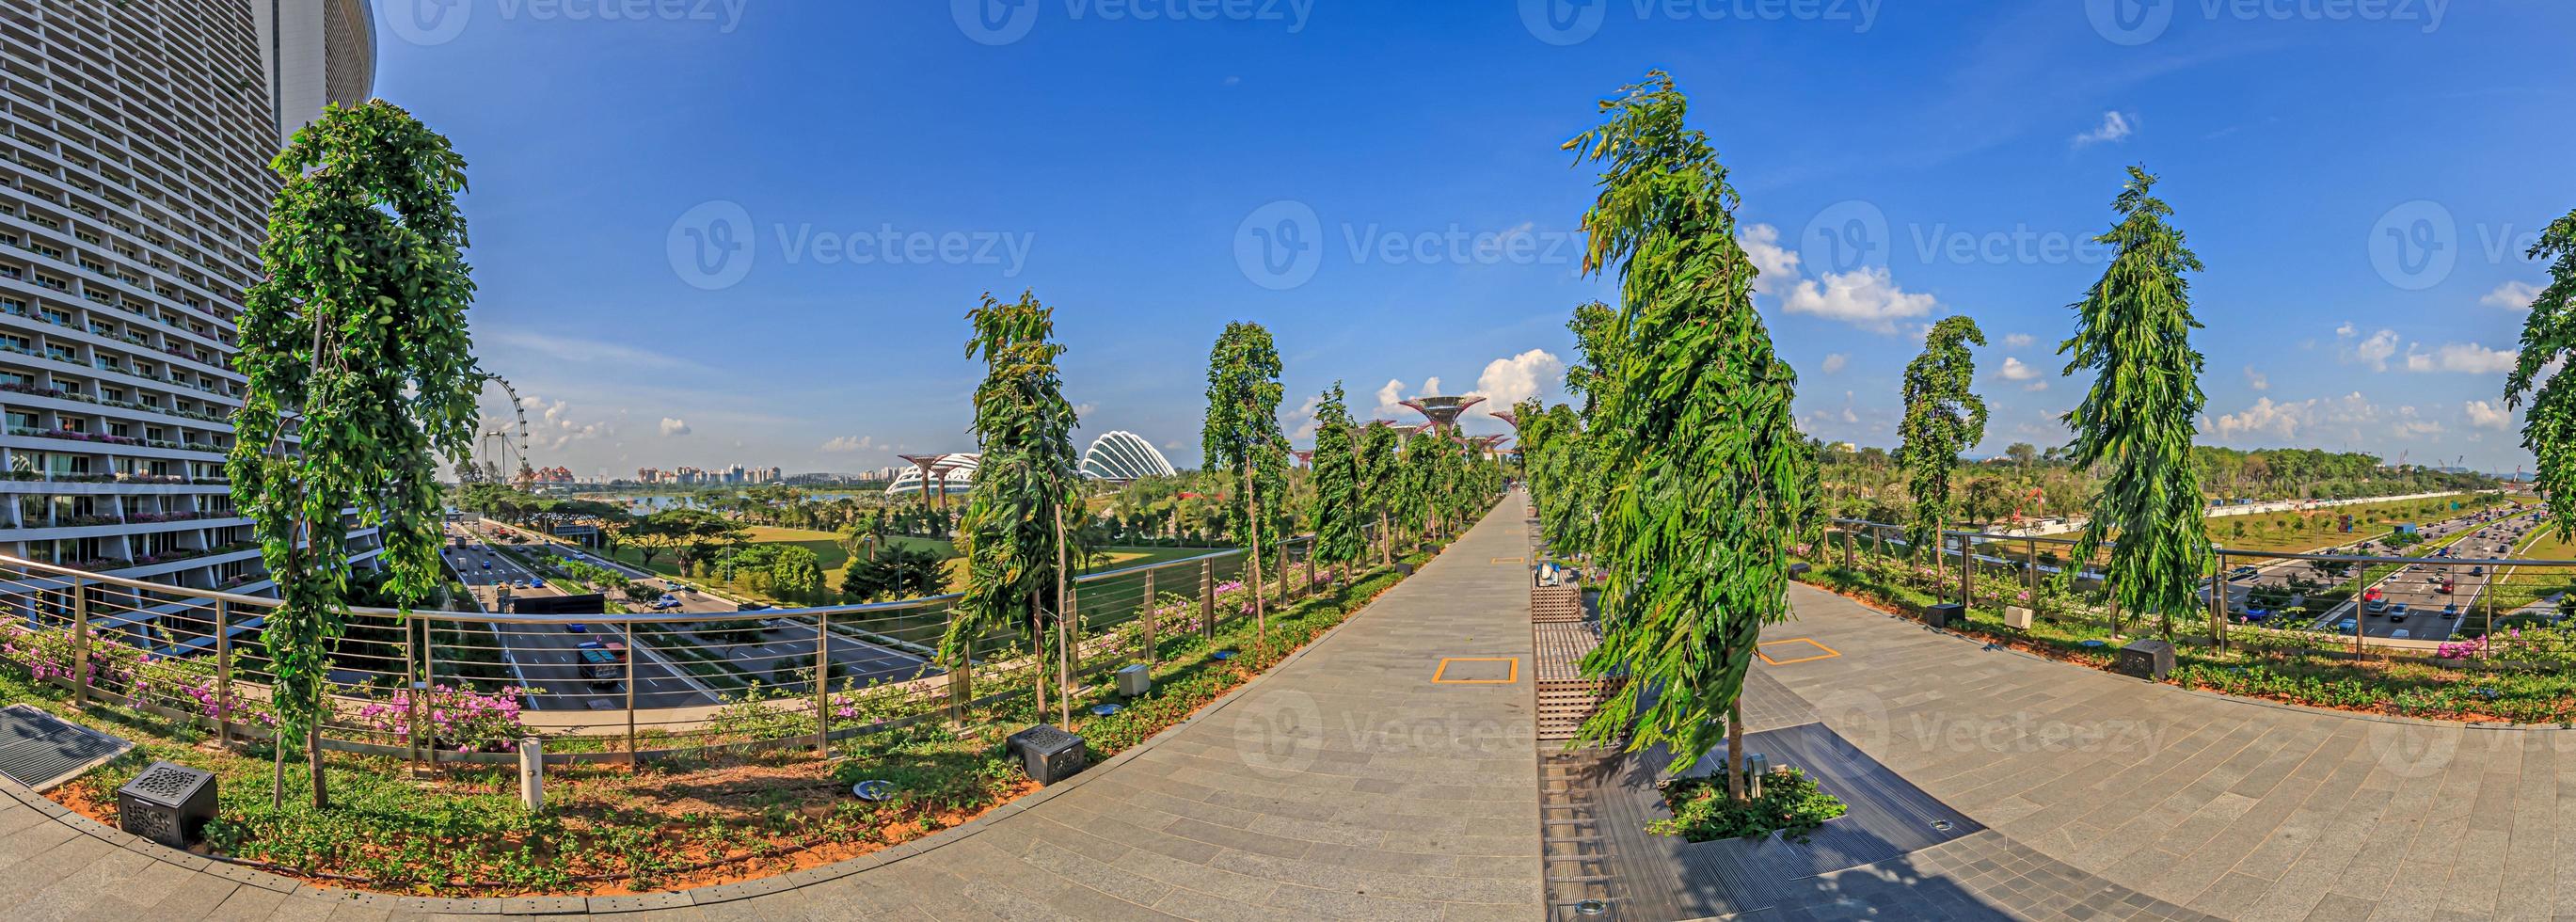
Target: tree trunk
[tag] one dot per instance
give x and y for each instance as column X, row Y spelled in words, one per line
column 1735, row 782
column 1037, row 653
column 1252, row 499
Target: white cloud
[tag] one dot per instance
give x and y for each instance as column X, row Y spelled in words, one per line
column 2035, row 386
column 2115, row 127
column 2346, row 331
column 1306, row 412
column 1388, row 399
column 2373, row 351
column 2486, row 415
column 1085, row 409
column 2257, row 380
column 850, row 444
column 1507, row 382
column 568, row 349
column 551, row 425
column 1866, row 297
column 1836, row 362
column 674, row 427
column 2019, row 341
column 2287, row 420
column 2512, row 296
column 2467, row 358
column 2015, row 370
column 1778, row 265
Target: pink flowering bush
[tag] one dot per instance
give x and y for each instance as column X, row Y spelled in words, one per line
column 458, row 718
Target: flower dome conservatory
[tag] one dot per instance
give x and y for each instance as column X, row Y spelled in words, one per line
column 1122, row 456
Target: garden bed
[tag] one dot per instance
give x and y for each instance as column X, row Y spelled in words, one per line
column 710, row 817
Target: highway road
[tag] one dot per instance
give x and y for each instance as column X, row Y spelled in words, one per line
column 546, row 656
column 783, row 641
column 2429, row 600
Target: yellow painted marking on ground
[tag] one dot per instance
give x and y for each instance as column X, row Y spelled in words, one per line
column 1829, row 653
column 1504, row 560
column 1440, row 676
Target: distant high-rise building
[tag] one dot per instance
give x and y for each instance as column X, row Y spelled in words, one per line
column 135, row 139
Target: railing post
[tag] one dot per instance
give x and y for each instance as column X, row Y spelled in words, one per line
column 961, row 679
column 1207, row 599
column 413, row 717
column 223, row 673
column 633, row 653
column 1967, row 573
column 80, row 644
column 822, row 684
column 1153, row 613
column 2030, row 571
column 1310, row 566
column 2218, row 602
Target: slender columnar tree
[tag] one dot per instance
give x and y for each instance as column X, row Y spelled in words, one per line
column 1381, row 481
column 1942, row 419
column 355, row 345
column 2133, row 331
column 1602, row 341
column 1242, row 436
column 1698, row 445
column 1336, row 512
column 2549, row 339
column 1027, row 485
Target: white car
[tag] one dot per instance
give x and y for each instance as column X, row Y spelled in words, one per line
column 2399, row 634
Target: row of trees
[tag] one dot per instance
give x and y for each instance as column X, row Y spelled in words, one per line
column 1684, row 475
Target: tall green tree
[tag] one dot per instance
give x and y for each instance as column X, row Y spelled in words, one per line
column 2133, row 331
column 1942, row 418
column 1381, row 481
column 796, row 571
column 1016, row 530
column 356, row 346
column 1242, row 436
column 1336, row 512
column 2549, row 337
column 1699, row 449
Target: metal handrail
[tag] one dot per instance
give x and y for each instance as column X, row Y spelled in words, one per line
column 392, row 650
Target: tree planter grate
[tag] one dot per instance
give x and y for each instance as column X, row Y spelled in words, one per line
column 42, row 751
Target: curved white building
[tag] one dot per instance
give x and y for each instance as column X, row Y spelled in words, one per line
column 955, row 473
column 134, row 191
column 1123, row 456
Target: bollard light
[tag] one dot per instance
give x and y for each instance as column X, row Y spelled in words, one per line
column 168, row 803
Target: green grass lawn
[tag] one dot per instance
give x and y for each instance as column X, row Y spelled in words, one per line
column 835, row 562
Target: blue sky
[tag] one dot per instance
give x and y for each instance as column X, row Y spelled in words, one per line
column 1381, row 184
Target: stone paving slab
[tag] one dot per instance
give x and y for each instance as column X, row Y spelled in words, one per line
column 1344, row 784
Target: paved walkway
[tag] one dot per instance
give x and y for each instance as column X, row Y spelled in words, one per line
column 1346, row 784
column 2234, row 808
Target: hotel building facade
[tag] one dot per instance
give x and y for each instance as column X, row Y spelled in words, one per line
column 134, row 190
